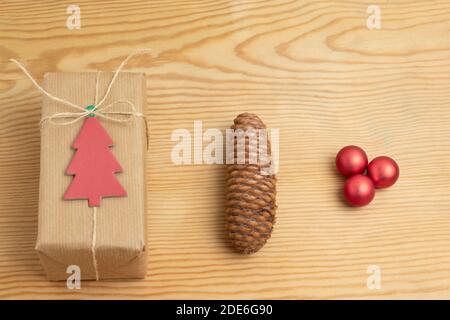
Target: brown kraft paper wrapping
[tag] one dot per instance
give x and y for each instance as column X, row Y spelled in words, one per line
column 65, row 227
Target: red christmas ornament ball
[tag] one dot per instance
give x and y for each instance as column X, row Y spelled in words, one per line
column 383, row 171
column 359, row 190
column 351, row 160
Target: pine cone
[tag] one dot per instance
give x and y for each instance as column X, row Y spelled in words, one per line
column 250, row 194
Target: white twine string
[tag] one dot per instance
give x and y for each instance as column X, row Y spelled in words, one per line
column 96, row 110
column 94, row 239
column 97, row 79
column 94, row 213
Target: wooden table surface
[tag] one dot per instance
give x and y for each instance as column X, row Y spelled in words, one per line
column 313, row 70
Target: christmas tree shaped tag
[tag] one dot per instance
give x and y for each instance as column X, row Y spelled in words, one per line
column 93, row 165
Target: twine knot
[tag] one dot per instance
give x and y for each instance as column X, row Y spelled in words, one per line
column 90, row 108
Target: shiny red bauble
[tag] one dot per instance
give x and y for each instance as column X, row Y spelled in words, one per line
column 359, row 190
column 351, row 160
column 383, row 171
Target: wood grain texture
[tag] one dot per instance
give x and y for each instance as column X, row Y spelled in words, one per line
column 311, row 69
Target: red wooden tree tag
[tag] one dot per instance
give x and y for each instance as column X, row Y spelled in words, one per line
column 93, row 166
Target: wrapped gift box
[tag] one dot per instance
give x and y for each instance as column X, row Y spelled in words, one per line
column 111, row 245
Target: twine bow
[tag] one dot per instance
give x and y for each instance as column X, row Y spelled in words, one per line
column 96, row 109
column 91, row 111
